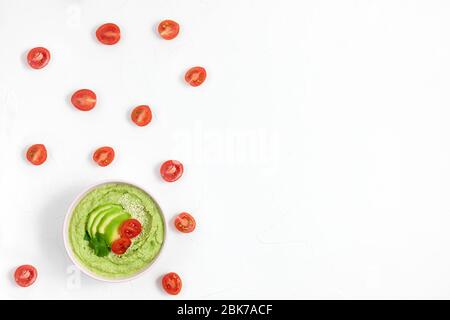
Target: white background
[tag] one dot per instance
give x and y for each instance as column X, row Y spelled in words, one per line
column 317, row 153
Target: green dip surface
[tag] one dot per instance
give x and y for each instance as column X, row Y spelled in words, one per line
column 145, row 247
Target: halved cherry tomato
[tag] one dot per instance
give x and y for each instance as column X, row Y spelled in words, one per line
column 84, row 99
column 141, row 115
column 25, row 275
column 171, row 170
column 104, row 156
column 195, row 76
column 168, row 29
column 38, row 57
column 108, row 33
column 37, row 154
column 185, row 223
column 171, row 282
column 121, row 245
column 130, row 228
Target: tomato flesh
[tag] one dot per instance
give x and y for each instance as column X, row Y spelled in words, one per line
column 25, row 275
column 141, row 115
column 130, row 229
column 185, row 223
column 171, row 170
column 168, row 29
column 104, row 156
column 84, row 99
column 172, row 283
column 195, row 76
column 38, row 57
column 108, row 33
column 37, row 154
column 121, row 245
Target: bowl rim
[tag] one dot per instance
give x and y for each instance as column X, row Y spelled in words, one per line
column 68, row 246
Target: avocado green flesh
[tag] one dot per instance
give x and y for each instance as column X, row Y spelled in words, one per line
column 94, row 214
column 106, row 220
column 95, row 224
column 112, row 230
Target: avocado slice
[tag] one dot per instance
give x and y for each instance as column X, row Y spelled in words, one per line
column 94, row 227
column 112, row 230
column 106, row 220
column 94, row 214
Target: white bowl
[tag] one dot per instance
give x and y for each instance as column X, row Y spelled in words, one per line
column 69, row 247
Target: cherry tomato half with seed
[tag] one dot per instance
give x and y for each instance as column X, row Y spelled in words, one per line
column 84, row 99
column 130, row 228
column 168, row 29
column 141, row 115
column 108, row 33
column 171, row 170
column 185, row 223
column 37, row 154
column 171, row 282
column 104, row 156
column 25, row 275
column 195, row 76
column 121, row 245
column 38, row 57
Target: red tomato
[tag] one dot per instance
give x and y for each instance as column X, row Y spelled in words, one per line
column 38, row 57
column 168, row 29
column 84, row 99
column 185, row 223
column 195, row 76
column 171, row 282
column 171, row 170
column 108, row 33
column 37, row 154
column 121, row 245
column 25, row 275
column 130, row 228
column 104, row 156
column 141, row 115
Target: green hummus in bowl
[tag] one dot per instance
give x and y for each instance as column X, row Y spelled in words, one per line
column 92, row 225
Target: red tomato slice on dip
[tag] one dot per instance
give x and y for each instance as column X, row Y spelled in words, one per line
column 141, row 115
column 185, row 223
column 195, row 76
column 38, row 57
column 108, row 33
column 84, row 99
column 130, row 228
column 37, row 154
column 104, row 156
column 172, row 283
column 121, row 245
column 25, row 275
column 171, row 170
column 168, row 29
